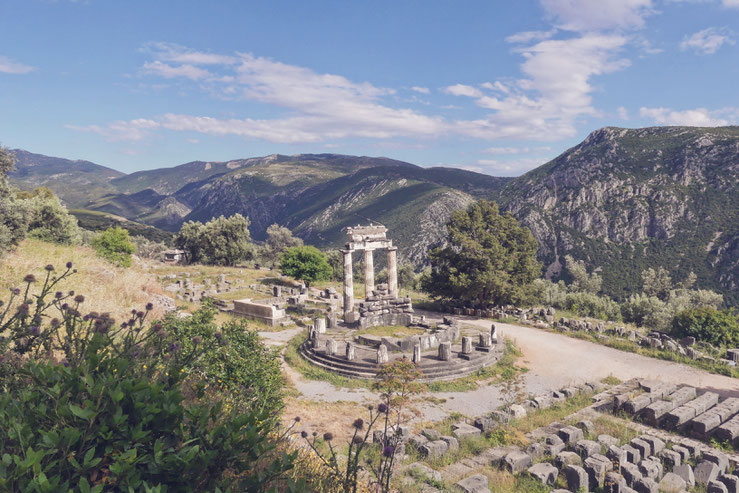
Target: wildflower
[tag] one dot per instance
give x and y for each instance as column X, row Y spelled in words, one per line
column 357, row 440
column 382, row 408
column 197, row 340
column 65, row 362
column 370, row 407
column 315, row 433
column 304, row 434
column 16, row 291
column 157, row 326
column 328, row 436
column 58, row 295
column 149, row 306
column 124, row 325
column 55, row 322
column 49, row 267
column 69, row 265
column 71, row 293
column 140, row 314
column 35, row 330
column 79, row 299
column 358, row 423
column 174, row 347
column 297, row 419
column 65, row 306
column 388, row 451
column 23, row 308
column 29, row 278
column 218, row 335
column 86, row 317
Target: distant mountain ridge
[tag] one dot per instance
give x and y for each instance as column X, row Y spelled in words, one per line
column 622, row 200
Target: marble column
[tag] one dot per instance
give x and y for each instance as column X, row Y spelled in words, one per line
column 348, row 287
column 392, row 270
column 369, row 273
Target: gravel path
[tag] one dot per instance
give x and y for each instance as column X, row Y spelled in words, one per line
column 553, row 360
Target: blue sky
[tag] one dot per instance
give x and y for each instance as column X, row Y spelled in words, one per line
column 498, row 87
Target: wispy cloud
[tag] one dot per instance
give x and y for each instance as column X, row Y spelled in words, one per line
column 708, row 41
column 422, row 90
column 590, row 16
column 697, row 117
column 10, row 66
column 513, row 167
column 516, row 150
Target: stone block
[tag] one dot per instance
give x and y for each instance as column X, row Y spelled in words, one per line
column 656, row 445
column 586, row 448
column 672, row 483
column 570, row 434
column 474, row 484
column 382, row 356
column 670, row 459
column 577, row 479
column 644, row 448
column 433, row 449
column 607, row 440
column 684, row 452
column 616, row 454
column 418, row 440
column 536, row 450
column 729, row 431
column 685, row 471
column 717, row 487
column 731, row 482
column 650, row 469
column 586, row 426
column 718, row 458
column 633, row 454
column 544, row 472
column 484, row 423
column 564, row 459
column 614, row 483
column 596, row 469
column 462, row 429
column 445, row 351
column 517, row 461
column 705, row 472
column 553, row 449
column 451, row 442
column 431, row 434
column 518, row 411
column 630, row 472
column 646, row 485
column 543, row 401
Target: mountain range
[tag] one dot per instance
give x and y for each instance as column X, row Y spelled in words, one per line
column 622, row 200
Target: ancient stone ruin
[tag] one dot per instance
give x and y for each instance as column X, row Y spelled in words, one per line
column 382, row 305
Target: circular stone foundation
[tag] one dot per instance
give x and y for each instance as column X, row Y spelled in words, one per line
column 341, row 352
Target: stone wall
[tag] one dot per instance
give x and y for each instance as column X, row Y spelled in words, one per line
column 382, row 308
column 262, row 310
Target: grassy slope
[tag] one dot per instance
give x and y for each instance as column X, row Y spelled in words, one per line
column 98, row 221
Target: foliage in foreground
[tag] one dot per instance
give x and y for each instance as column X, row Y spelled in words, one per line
column 90, row 405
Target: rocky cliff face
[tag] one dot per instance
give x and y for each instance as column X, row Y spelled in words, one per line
column 624, row 200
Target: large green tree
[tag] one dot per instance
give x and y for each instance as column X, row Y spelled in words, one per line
column 279, row 239
column 13, row 212
column 306, row 263
column 220, row 241
column 488, row 258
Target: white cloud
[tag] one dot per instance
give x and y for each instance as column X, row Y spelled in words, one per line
column 596, row 15
column 169, row 72
column 463, row 90
column 623, row 113
column 555, row 93
column 171, row 52
column 422, row 90
column 529, row 36
column 698, row 117
column 10, row 66
column 516, row 150
column 507, row 168
column 121, row 130
column 731, row 4
column 708, row 41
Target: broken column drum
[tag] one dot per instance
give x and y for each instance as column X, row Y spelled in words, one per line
column 320, row 325
column 445, row 351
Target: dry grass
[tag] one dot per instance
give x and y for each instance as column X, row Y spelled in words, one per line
column 107, row 288
column 336, row 417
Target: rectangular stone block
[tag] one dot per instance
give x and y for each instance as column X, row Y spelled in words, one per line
column 728, row 431
column 678, row 417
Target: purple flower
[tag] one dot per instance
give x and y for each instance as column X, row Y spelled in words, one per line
column 197, row 340
column 124, row 325
column 357, row 440
column 328, row 436
column 16, row 291
column 65, row 363
column 149, row 306
column 69, row 265
column 35, row 330
column 358, row 423
column 49, row 267
column 29, row 278
column 304, row 434
column 382, row 408
column 218, row 335
column 65, row 306
column 79, row 299
column 174, row 347
column 58, row 294
column 388, row 451
column 55, row 322
column 23, row 308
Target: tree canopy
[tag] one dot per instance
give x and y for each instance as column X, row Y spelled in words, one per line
column 306, row 263
column 115, row 245
column 279, row 239
column 488, row 258
column 220, row 241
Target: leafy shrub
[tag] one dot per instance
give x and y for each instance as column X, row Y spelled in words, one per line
column 645, row 310
column 592, row 305
column 306, row 263
column 220, row 241
column 718, row 327
column 48, row 219
column 123, row 410
column 114, row 244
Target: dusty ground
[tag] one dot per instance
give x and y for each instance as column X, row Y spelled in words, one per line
column 553, row 360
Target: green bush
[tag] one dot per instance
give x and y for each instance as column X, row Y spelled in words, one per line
column 48, row 219
column 90, row 405
column 718, row 327
column 306, row 263
column 592, row 305
column 220, row 241
column 114, row 244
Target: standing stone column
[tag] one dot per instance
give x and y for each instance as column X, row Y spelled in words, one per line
column 392, row 271
column 485, row 340
column 369, row 273
column 417, row 354
column 382, row 356
column 351, row 353
column 320, row 325
column 331, row 347
column 493, row 334
column 445, row 351
column 348, row 287
column 466, row 345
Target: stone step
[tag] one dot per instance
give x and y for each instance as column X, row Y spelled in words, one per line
column 656, row 410
column 680, row 416
column 704, row 424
